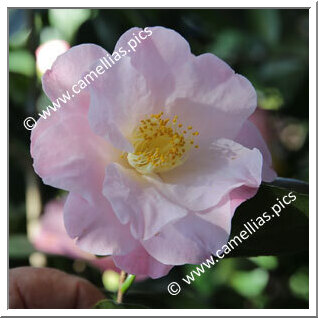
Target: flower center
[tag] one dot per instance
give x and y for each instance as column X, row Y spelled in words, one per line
column 160, row 144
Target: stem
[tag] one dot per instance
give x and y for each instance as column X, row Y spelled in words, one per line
column 122, row 278
column 125, row 282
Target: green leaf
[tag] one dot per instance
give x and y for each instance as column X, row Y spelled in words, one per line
column 291, row 184
column 285, row 232
column 19, row 246
column 110, row 304
column 302, row 203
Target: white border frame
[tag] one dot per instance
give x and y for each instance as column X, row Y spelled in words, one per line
column 312, row 161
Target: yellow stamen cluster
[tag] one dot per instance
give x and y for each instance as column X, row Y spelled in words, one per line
column 159, row 144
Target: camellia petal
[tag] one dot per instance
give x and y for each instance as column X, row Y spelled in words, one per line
column 250, row 137
column 117, row 100
column 209, row 174
column 159, row 58
column 69, row 156
column 140, row 262
column 193, row 238
column 68, row 69
column 136, row 201
column 96, row 228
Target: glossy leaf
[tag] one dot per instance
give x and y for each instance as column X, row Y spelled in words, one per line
column 285, row 232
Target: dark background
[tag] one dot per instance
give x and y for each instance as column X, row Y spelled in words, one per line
column 269, row 47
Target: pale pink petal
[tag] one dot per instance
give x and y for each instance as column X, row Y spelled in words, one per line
column 206, row 72
column 68, row 69
column 54, row 117
column 67, row 155
column 210, row 174
column 137, row 202
column 65, row 72
column 118, row 99
column 158, row 58
column 193, row 238
column 210, row 97
column 96, row 228
column 240, row 195
column 210, row 121
column 250, row 137
column 139, row 262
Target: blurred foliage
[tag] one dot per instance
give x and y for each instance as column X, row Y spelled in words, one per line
column 109, row 304
column 20, row 247
column 269, row 47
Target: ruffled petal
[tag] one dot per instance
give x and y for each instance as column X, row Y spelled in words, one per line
column 158, row 58
column 193, row 238
column 65, row 72
column 67, row 155
column 68, row 69
column 96, row 228
column 118, row 99
column 220, row 113
column 137, row 202
column 210, row 174
column 139, row 262
column 250, row 137
column 206, row 73
column 210, row 97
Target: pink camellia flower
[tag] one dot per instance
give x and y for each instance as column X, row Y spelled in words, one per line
column 156, row 153
column 52, row 238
